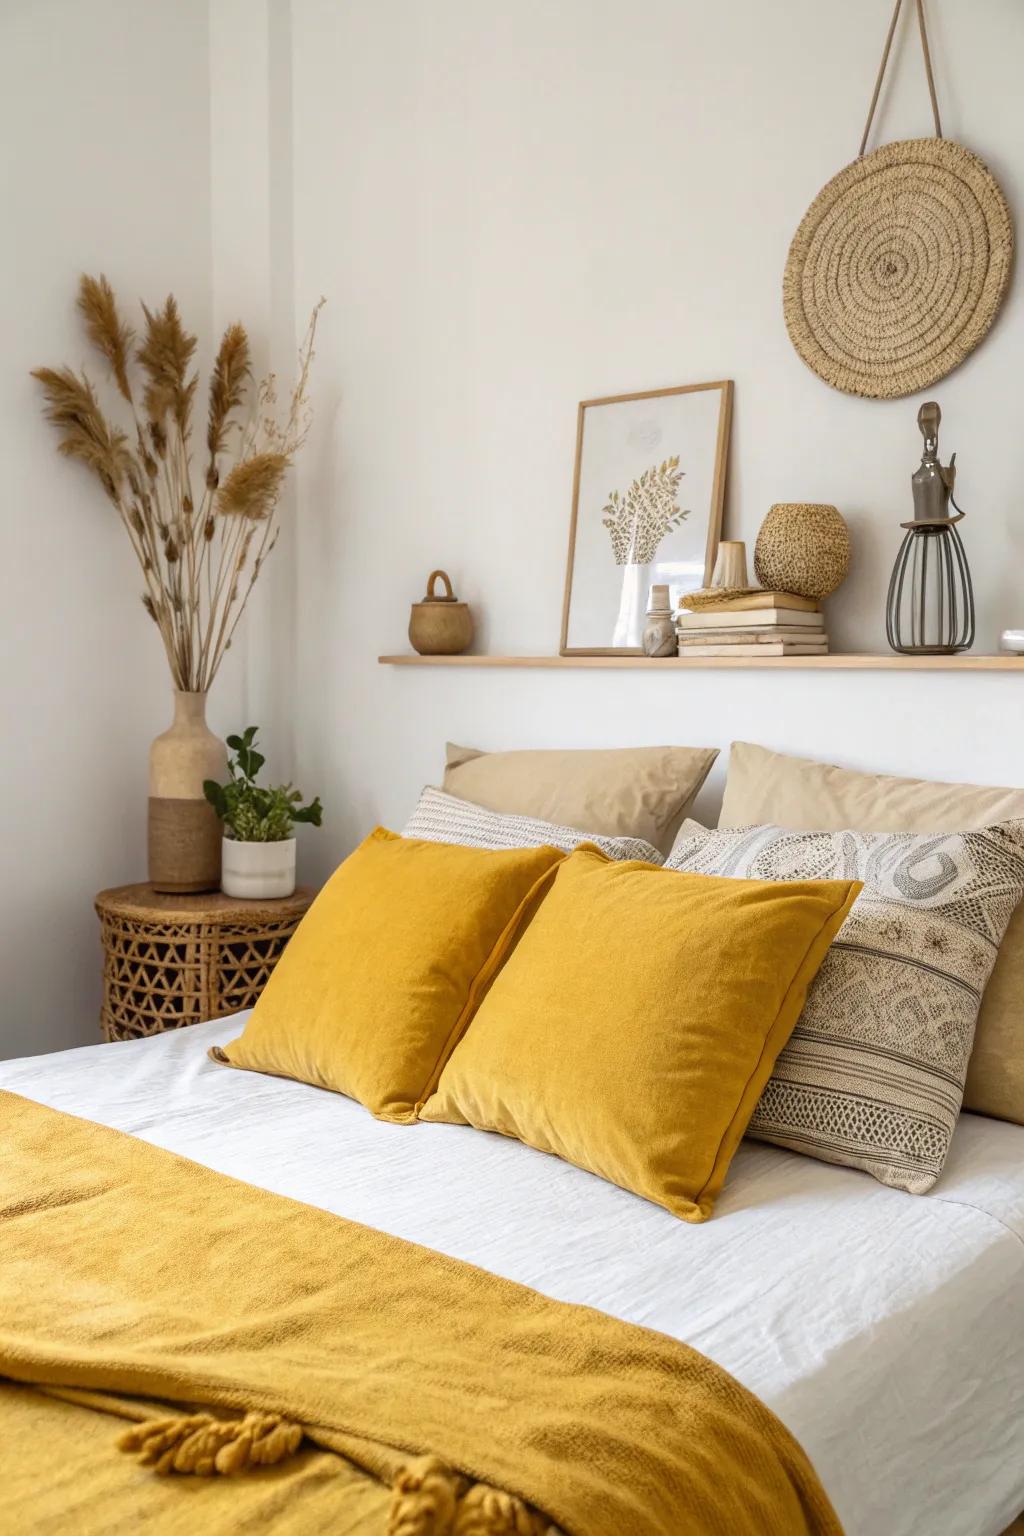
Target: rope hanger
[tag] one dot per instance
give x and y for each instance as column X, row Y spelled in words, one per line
column 881, row 72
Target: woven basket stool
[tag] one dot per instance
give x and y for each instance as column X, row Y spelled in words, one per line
column 175, row 960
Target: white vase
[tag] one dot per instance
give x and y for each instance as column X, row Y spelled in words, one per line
column 629, row 626
column 257, row 870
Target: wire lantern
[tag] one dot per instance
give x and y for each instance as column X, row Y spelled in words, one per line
column 931, row 601
column 930, row 606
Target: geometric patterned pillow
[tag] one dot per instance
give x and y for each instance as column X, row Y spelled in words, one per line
column 443, row 818
column 873, row 1074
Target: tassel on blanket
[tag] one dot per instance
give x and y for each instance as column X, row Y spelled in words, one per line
column 430, row 1499
column 203, row 1445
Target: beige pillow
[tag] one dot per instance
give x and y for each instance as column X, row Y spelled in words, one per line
column 623, row 792
column 873, row 1076
column 771, row 788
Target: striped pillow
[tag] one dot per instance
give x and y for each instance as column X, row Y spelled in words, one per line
column 441, row 818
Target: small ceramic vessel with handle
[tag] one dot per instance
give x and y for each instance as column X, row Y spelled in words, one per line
column 440, row 625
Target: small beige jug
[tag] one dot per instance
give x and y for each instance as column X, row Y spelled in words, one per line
column 731, row 566
column 440, row 626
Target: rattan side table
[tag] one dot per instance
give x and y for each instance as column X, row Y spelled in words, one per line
column 175, row 960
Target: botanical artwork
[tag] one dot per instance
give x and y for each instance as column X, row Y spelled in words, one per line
column 648, row 529
column 638, row 521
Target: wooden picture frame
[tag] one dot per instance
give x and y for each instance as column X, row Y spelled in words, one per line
column 649, row 437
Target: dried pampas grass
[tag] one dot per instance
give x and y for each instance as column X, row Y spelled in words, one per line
column 164, row 356
column 251, row 489
column 227, row 391
column 106, row 330
column 199, row 559
column 86, row 434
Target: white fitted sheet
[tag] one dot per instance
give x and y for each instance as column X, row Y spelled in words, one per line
column 886, row 1330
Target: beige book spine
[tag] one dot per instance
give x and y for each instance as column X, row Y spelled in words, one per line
column 779, row 648
column 760, row 619
column 750, row 636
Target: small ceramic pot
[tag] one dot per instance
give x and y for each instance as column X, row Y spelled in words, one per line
column 440, row 626
column 659, row 637
column 257, row 870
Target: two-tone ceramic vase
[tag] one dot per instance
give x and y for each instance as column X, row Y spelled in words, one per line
column 184, row 832
column 659, row 634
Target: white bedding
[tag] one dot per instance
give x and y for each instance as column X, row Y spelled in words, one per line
column 886, row 1330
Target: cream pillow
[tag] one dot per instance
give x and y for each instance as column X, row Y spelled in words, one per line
column 772, row 788
column 873, row 1075
column 441, row 818
column 622, row 792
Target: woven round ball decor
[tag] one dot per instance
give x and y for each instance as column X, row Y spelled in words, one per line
column 898, row 268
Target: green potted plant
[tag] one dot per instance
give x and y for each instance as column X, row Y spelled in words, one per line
column 258, row 850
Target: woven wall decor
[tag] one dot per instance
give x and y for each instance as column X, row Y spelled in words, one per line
column 901, row 263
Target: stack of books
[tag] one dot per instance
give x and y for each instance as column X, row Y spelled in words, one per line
column 756, row 624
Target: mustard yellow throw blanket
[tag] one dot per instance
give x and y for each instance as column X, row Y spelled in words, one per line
column 355, row 1382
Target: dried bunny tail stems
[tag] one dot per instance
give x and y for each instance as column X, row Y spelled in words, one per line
column 111, row 336
column 301, row 413
column 264, row 432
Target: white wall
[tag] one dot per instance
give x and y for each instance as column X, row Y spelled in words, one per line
column 511, row 206
column 251, row 280
column 104, row 166
column 516, row 205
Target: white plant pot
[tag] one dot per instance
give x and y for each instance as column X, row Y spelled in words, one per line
column 257, row 870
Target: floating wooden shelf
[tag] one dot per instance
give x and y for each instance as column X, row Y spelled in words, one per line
column 882, row 662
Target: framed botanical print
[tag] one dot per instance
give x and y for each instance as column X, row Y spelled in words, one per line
column 647, row 506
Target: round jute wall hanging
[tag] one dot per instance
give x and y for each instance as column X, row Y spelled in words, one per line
column 900, row 264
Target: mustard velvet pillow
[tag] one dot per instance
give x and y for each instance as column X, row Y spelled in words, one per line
column 637, row 1021
column 384, row 970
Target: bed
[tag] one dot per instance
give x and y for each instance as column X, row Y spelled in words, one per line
column 885, row 1330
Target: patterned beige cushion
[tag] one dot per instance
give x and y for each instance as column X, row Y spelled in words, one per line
column 441, row 818
column 874, row 1072
column 783, row 791
column 622, row 792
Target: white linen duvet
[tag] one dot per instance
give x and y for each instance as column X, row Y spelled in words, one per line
column 886, row 1330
